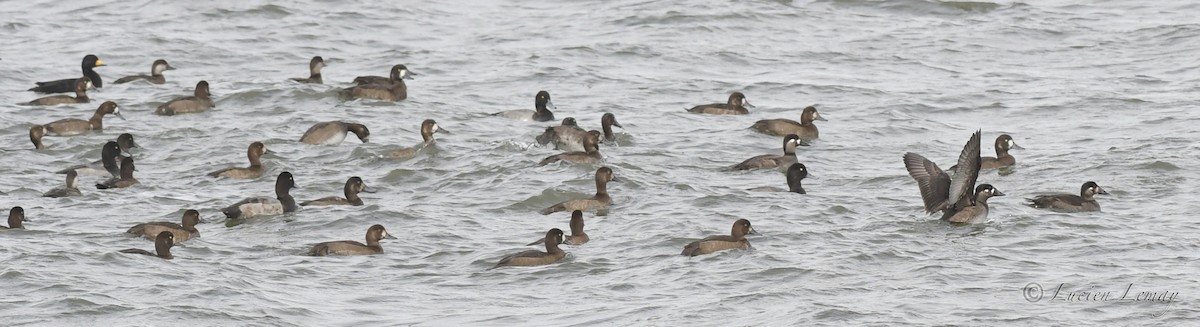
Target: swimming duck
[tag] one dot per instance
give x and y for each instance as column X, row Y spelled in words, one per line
column 780, row 127
column 72, row 126
column 374, row 234
column 599, row 201
column 770, row 161
column 70, row 189
column 354, row 185
column 16, row 219
column 81, row 86
column 385, row 80
column 68, row 85
column 1084, row 202
column 577, row 236
column 590, row 154
column 333, row 132
column 254, row 153
column 795, row 173
column 952, row 196
column 107, row 166
column 736, row 105
column 569, row 137
column 156, row 74
column 265, row 206
column 1002, row 159
column 542, row 106
column 162, row 246
column 314, row 71
column 125, row 180
column 553, row 254
column 180, row 233
column 199, row 101
column 428, row 127
column 393, row 90
column 735, row 240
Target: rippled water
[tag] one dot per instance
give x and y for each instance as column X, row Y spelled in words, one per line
column 1093, row 91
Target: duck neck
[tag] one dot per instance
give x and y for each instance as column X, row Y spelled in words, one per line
column 607, row 129
column 352, row 195
column 163, row 250
column 552, row 246
column 97, row 121
column 794, row 185
column 93, row 76
column 14, row 222
column 289, row 203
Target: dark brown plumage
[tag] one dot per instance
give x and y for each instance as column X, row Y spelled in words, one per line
column 162, row 246
column 254, row 153
column 770, row 161
column 939, row 191
column 80, row 87
column 180, row 232
column 1084, row 202
column 201, row 100
column 780, row 127
column 394, row 90
column 353, row 186
column 553, row 253
column 600, row 200
column 314, row 71
column 156, row 74
column 735, row 240
column 736, row 105
column 374, row 234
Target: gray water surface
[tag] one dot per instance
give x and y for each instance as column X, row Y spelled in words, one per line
column 1101, row 91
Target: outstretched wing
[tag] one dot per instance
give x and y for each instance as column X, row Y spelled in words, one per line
column 962, row 186
column 933, row 182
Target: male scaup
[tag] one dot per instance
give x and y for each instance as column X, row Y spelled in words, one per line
column 795, row 174
column 354, row 185
column 68, row 85
column 199, row 101
column 553, row 253
column 393, row 90
column 1084, row 202
column 590, row 153
column 385, row 80
column 952, row 196
column 735, row 240
column 107, row 166
column 125, row 180
column 81, row 86
column 599, row 201
column 374, row 234
column 254, row 153
column 156, row 75
column 180, row 233
column 542, row 106
column 736, row 105
column 16, row 219
column 428, row 127
column 283, row 202
column 333, row 132
column 70, row 189
column 162, row 246
column 780, row 127
column 577, row 236
column 72, row 126
column 770, row 161
column 314, row 71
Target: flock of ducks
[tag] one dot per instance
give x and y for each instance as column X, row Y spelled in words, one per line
column 957, row 196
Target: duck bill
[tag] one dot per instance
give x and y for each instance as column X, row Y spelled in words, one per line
column 368, row 190
column 819, row 117
column 997, row 193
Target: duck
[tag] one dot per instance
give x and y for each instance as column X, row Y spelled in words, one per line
column 16, row 219
column 736, row 105
column 72, row 126
column 255, row 170
column 780, row 127
column 67, row 85
column 180, row 232
column 162, row 246
column 770, row 161
column 795, row 174
column 81, row 85
column 374, row 234
column 607, row 121
column 735, row 240
column 36, row 133
column 107, row 166
column 1084, row 202
column 952, row 195
column 156, row 74
column 199, row 101
column 314, row 71
column 333, row 132
column 125, row 180
column 393, row 90
column 553, row 253
column 599, row 201
column 569, row 137
column 590, row 154
column 541, row 112
column 577, row 237
column 428, row 127
column 354, row 185
column 70, row 189
column 385, row 80
column 283, row 202
column 1004, row 142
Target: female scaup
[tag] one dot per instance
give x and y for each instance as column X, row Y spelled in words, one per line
column 81, row 86
column 590, row 153
column 265, row 206
column 72, row 126
column 333, row 132
column 125, row 180
column 200, row 100
column 1084, row 202
column 16, row 219
column 735, row 240
column 553, row 253
column 180, row 233
column 68, row 85
column 1004, row 142
column 780, row 127
column 599, row 201
column 156, row 75
column 314, row 71
column 577, row 236
column 354, row 185
column 428, row 127
column 569, row 137
column 773, row 161
column 394, row 90
column 952, row 195
column 374, row 234
column 254, row 153
column 36, row 133
column 162, row 246
column 542, row 106
column 70, row 189
column 736, row 105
